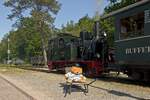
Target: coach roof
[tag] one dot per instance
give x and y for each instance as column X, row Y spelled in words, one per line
column 125, row 8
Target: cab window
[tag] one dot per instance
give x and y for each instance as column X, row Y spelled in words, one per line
column 61, row 42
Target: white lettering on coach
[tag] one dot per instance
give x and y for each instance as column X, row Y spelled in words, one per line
column 138, row 50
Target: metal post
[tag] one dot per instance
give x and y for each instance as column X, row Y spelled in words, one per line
column 8, row 52
column 102, row 41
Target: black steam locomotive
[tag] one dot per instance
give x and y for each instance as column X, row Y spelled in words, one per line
column 87, row 50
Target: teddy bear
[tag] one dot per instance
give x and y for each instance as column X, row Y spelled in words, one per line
column 75, row 75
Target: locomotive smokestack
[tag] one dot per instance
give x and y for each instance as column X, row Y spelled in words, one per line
column 97, row 29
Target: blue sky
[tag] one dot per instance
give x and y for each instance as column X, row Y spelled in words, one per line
column 70, row 10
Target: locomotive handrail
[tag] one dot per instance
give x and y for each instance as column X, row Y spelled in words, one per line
column 88, row 47
column 133, row 38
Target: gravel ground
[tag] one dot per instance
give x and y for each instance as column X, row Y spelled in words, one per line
column 50, row 86
column 9, row 92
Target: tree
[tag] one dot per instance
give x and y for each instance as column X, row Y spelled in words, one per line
column 3, row 48
column 26, row 39
column 84, row 23
column 40, row 10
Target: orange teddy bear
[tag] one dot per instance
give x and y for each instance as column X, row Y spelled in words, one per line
column 75, row 75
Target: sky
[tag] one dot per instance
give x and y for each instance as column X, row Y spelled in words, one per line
column 70, row 10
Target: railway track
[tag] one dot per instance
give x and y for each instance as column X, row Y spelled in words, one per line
column 124, row 80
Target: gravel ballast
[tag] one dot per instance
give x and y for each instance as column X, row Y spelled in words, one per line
column 51, row 86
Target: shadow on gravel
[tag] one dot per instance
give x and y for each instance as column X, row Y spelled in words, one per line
column 124, row 81
column 74, row 88
column 118, row 93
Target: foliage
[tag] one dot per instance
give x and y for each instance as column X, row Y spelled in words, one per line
column 84, row 23
column 3, row 48
column 41, row 11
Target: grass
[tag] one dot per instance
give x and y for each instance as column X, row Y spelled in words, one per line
column 12, row 68
column 4, row 68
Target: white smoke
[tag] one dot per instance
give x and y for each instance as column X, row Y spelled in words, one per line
column 99, row 4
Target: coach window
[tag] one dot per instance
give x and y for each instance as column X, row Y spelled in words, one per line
column 132, row 26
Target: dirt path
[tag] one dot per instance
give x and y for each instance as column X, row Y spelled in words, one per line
column 50, row 86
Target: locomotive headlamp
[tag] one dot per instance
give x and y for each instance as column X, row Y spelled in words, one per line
column 98, row 55
column 105, row 34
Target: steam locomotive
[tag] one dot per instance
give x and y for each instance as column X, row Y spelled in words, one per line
column 91, row 50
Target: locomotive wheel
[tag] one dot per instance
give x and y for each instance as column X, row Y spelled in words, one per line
column 137, row 75
column 146, row 76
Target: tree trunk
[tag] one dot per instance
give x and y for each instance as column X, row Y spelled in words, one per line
column 44, row 50
column 43, row 44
